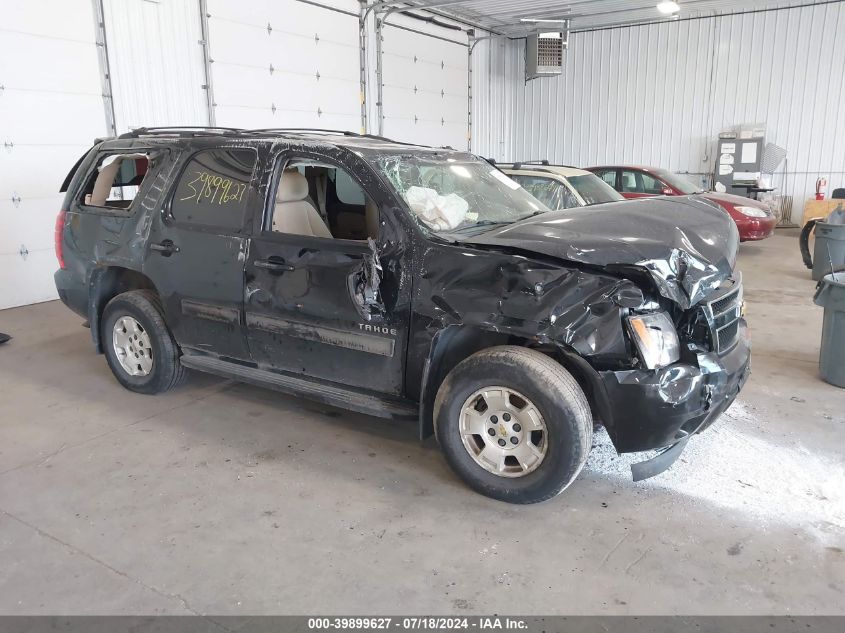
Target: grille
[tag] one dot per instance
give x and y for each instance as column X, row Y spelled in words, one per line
column 549, row 51
column 727, row 336
column 723, row 311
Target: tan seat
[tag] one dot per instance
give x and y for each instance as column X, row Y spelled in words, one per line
column 293, row 212
column 104, row 182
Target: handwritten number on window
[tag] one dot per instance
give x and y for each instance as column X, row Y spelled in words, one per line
column 214, row 189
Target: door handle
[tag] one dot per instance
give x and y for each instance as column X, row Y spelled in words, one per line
column 274, row 264
column 166, row 248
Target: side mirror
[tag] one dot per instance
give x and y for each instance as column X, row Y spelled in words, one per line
column 667, row 191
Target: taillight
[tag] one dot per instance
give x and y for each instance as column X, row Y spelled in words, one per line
column 60, row 229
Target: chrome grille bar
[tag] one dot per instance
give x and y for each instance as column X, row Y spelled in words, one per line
column 723, row 310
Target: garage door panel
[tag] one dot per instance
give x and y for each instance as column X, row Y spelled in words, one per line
column 36, row 169
column 51, row 109
column 424, row 88
column 27, row 280
column 81, row 115
column 313, row 53
column 64, row 19
column 247, row 117
column 60, row 65
column 156, row 62
column 287, row 90
column 31, row 222
column 228, row 43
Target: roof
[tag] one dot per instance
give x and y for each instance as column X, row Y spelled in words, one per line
column 519, row 18
column 560, row 170
column 340, row 138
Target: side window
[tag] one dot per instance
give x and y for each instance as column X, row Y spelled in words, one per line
column 212, row 190
column 115, row 182
column 550, row 192
column 608, row 175
column 651, row 185
column 631, row 182
column 320, row 199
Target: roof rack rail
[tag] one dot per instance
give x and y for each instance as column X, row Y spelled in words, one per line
column 530, row 162
column 190, row 131
column 309, row 130
column 181, row 130
column 319, row 130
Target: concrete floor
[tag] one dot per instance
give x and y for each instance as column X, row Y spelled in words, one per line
column 227, row 499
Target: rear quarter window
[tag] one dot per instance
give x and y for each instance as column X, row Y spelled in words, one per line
column 116, row 179
column 213, row 189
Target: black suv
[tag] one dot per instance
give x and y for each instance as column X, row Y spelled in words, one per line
column 407, row 282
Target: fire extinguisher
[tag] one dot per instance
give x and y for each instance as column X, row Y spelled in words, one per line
column 821, row 185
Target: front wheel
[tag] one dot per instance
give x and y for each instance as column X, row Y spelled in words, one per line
column 513, row 424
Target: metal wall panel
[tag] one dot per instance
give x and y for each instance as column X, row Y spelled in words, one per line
column 156, row 64
column 51, row 109
column 659, row 95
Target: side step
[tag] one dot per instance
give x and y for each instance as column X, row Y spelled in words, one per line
column 326, row 393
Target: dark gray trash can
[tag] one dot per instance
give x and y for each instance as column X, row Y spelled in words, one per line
column 830, row 294
column 829, row 247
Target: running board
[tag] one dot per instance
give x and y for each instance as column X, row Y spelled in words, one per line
column 336, row 396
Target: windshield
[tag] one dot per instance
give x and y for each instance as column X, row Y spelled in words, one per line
column 593, row 189
column 457, row 195
column 678, row 182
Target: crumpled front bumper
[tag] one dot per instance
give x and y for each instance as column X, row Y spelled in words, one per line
column 663, row 409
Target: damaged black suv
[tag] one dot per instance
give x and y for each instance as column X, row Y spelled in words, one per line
column 408, row 282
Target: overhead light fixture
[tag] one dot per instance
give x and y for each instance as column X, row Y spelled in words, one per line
column 667, row 7
column 534, row 20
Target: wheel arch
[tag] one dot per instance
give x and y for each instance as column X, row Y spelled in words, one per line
column 453, row 344
column 104, row 284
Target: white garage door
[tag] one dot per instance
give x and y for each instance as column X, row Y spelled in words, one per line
column 283, row 63
column 156, row 63
column 51, row 109
column 425, row 87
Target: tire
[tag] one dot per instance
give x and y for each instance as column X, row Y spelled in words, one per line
column 158, row 369
column 522, row 383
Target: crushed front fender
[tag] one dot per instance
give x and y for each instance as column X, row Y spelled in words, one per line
column 655, row 409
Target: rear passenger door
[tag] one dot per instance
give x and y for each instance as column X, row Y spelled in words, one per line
column 197, row 246
column 633, row 185
column 316, row 305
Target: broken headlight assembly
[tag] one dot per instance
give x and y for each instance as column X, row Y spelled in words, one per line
column 656, row 339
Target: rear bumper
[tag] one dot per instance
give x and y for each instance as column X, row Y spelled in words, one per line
column 72, row 293
column 658, row 409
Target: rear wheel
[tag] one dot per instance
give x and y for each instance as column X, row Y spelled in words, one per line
column 139, row 348
column 513, row 424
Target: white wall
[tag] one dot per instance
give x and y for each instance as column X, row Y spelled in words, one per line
column 51, row 109
column 660, row 94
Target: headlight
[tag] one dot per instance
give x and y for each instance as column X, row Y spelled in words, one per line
column 752, row 212
column 656, row 339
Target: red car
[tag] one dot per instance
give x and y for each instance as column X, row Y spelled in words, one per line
column 753, row 218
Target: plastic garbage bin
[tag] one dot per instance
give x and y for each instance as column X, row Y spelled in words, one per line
column 830, row 294
column 829, row 247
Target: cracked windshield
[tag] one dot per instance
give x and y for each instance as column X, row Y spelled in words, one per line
column 456, row 195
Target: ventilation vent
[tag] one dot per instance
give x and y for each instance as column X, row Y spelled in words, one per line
column 544, row 55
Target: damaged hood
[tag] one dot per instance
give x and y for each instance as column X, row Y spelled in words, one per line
column 686, row 244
